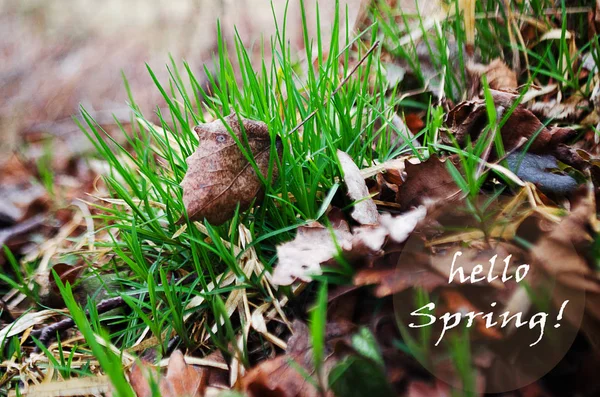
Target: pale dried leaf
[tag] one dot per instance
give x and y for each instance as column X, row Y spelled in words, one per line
column 302, row 257
column 400, row 227
column 365, row 210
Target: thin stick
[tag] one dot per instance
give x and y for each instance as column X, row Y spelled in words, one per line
column 342, row 83
column 45, row 334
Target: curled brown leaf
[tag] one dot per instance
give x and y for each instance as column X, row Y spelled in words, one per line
column 219, row 175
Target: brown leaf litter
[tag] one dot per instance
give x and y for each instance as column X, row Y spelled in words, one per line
column 392, row 266
column 283, row 375
column 522, row 128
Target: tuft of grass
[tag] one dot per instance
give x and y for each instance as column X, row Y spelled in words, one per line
column 167, row 266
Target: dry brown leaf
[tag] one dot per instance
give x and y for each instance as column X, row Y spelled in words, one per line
column 219, row 176
column 365, row 210
column 180, row 380
column 429, row 180
column 468, row 119
column 282, row 376
column 499, row 76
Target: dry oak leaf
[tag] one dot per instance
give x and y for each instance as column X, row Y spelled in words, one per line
column 219, row 176
column 181, row 379
column 365, row 210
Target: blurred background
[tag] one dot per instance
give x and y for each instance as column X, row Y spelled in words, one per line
column 57, row 55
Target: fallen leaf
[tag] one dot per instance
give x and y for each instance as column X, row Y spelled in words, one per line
column 389, row 181
column 401, row 226
column 468, row 119
column 314, row 244
column 219, row 176
column 429, row 180
column 180, row 380
column 499, row 76
column 414, row 122
column 365, row 210
column 543, row 171
column 285, row 375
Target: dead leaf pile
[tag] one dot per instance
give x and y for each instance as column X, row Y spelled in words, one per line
column 414, row 250
column 469, row 118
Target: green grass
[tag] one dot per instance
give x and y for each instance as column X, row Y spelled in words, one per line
column 145, row 176
column 161, row 269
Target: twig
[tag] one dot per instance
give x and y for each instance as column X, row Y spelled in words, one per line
column 342, row 83
column 44, row 335
column 20, row 228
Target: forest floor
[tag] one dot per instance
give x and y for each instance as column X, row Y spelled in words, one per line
column 386, row 198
